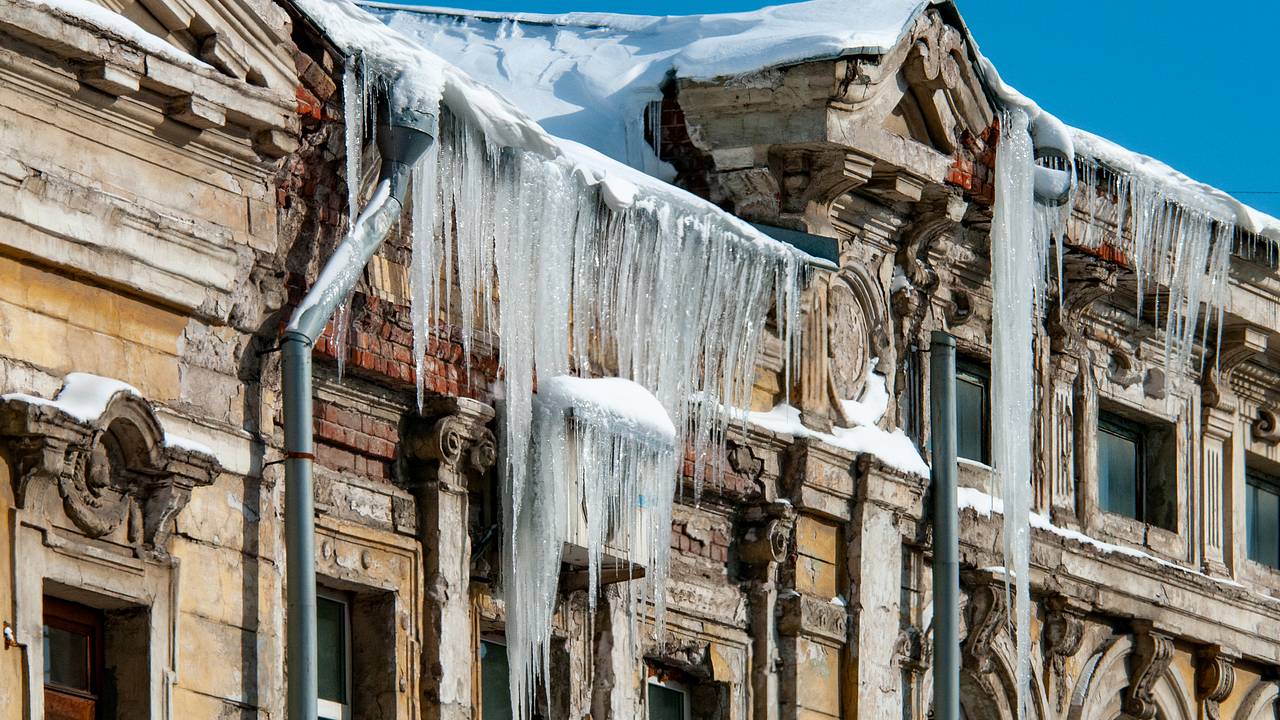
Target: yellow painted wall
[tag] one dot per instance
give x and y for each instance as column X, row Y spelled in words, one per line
column 62, row 325
column 11, row 660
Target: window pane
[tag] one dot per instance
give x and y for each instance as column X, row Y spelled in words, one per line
column 331, row 649
column 971, row 420
column 665, row 703
column 1117, row 473
column 495, row 698
column 1262, row 513
column 66, row 658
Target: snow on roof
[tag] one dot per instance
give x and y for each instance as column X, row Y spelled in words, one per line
column 583, row 76
column 114, row 24
column 423, row 80
column 588, row 76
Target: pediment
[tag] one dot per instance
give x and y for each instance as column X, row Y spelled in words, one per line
column 243, row 39
column 926, row 90
column 942, row 96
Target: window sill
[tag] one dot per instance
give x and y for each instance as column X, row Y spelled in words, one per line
column 1159, row 542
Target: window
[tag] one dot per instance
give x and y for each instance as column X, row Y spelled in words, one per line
column 667, row 701
column 333, row 656
column 1262, row 518
column 1135, row 471
column 973, row 412
column 73, row 647
column 495, row 697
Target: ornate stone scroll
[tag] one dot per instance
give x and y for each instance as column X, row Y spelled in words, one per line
column 1152, row 652
column 1215, row 676
column 112, row 471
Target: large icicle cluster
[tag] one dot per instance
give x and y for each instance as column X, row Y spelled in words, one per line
column 583, row 290
column 1174, row 241
column 1178, row 244
column 603, row 459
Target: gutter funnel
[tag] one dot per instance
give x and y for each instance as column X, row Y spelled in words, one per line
column 403, row 138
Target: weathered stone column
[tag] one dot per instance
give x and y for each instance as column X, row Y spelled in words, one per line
column 1060, row 437
column 1215, row 476
column 449, row 447
column 1222, row 446
column 875, row 559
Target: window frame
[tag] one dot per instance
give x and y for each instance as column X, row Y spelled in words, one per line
column 330, row 709
column 975, row 372
column 675, row 686
column 81, row 620
column 1126, row 429
column 495, row 640
column 1261, row 479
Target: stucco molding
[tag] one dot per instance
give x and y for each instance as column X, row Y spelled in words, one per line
column 114, row 471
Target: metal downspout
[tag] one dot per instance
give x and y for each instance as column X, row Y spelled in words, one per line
column 402, row 139
column 946, row 544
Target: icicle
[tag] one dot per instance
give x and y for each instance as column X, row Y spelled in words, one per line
column 354, row 102
column 582, row 286
column 1017, row 279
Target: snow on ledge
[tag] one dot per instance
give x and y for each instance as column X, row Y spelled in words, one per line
column 987, row 505
column 893, row 448
column 616, row 403
column 113, row 23
column 85, row 397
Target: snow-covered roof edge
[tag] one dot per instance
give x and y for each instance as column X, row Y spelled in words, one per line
column 424, row 80
column 1088, row 145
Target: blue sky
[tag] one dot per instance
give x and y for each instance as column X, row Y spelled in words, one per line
column 1195, row 84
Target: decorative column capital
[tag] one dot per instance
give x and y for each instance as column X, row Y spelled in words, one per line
column 452, row 434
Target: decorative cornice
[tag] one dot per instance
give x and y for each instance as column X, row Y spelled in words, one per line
column 113, row 471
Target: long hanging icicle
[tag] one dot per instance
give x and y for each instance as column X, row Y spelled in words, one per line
column 1018, row 259
column 582, row 286
column 354, row 104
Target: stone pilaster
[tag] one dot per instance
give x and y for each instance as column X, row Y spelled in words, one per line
column 449, row 447
column 1215, row 479
column 1221, row 454
column 1061, row 436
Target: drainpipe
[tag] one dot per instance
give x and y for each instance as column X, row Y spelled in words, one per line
column 946, row 544
column 403, row 137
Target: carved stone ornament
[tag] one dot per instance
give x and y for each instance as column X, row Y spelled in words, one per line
column 1215, row 676
column 812, row 617
column 114, row 470
column 1237, row 345
column 1152, row 652
column 1063, row 636
column 1087, row 281
column 1266, row 427
column 985, row 614
column 451, row 433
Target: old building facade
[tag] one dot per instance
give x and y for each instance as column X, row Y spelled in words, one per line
column 174, row 181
